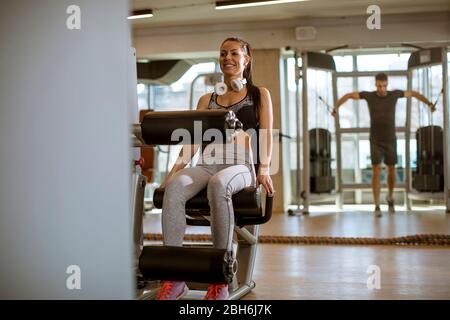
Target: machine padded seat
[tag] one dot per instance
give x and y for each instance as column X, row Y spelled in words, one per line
column 246, row 202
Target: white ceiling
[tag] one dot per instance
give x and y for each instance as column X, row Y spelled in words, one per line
column 169, row 13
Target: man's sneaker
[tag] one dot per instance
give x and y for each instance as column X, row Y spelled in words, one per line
column 217, row 292
column 172, row 290
column 377, row 211
column 390, row 205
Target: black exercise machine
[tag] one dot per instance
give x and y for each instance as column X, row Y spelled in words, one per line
column 197, row 264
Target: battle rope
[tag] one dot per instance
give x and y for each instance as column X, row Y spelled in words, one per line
column 416, row 240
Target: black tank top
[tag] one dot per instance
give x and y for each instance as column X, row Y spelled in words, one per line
column 246, row 112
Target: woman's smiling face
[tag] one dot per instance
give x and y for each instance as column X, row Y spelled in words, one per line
column 232, row 58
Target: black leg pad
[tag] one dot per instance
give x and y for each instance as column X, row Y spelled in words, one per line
column 203, row 265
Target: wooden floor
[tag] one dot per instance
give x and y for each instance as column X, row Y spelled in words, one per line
column 359, row 222
column 340, row 272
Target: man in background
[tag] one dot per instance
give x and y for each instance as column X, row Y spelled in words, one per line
column 383, row 141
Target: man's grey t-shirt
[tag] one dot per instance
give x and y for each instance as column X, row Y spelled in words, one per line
column 382, row 113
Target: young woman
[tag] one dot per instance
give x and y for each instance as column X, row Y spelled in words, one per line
column 253, row 107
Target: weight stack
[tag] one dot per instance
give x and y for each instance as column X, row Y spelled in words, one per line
column 321, row 179
column 429, row 175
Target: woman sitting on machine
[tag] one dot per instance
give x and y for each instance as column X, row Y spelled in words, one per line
column 234, row 172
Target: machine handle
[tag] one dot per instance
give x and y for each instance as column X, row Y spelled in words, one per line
column 140, row 162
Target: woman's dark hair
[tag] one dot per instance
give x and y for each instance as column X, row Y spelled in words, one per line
column 253, row 91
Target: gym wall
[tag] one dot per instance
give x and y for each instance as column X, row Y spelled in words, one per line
column 64, row 151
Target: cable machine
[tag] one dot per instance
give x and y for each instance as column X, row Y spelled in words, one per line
column 315, row 182
column 427, row 73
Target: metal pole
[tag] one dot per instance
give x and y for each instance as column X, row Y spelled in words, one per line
column 299, row 143
column 306, row 164
column 369, row 73
column 340, row 196
column 445, row 107
column 407, row 171
column 298, row 140
column 367, row 130
column 355, row 104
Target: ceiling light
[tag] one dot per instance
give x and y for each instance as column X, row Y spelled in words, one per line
column 249, row 3
column 140, row 14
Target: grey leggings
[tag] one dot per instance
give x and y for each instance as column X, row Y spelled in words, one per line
column 223, row 180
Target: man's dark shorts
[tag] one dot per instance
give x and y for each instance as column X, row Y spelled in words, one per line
column 383, row 150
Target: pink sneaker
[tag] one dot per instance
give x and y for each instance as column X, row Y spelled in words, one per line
column 172, row 290
column 217, row 292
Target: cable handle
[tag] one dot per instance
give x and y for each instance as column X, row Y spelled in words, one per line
column 329, row 108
